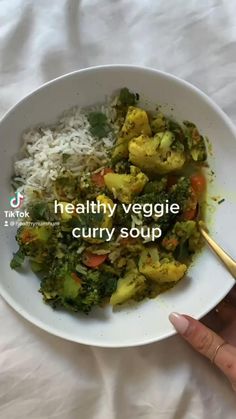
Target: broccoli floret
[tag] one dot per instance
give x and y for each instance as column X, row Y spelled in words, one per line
column 26, row 235
column 158, row 123
column 37, row 210
column 152, row 198
column 123, row 166
column 33, row 240
column 41, row 210
column 66, row 187
column 87, row 187
column 195, row 241
column 133, row 286
column 184, row 229
column 38, row 243
column 183, row 239
column 155, row 186
column 71, row 286
column 160, row 154
column 17, row 260
column 122, row 218
column 180, row 193
column 195, row 142
column 62, row 287
column 181, row 232
column 178, row 132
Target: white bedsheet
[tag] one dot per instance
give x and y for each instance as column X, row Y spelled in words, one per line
column 42, row 376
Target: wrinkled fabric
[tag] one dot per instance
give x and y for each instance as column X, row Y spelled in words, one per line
column 42, row 376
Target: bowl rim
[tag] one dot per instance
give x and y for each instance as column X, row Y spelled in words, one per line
column 51, row 329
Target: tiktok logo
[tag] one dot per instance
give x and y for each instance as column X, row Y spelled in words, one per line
column 16, row 200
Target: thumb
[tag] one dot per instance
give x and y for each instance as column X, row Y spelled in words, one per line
column 205, row 341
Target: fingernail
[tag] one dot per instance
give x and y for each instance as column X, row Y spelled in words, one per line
column 179, row 322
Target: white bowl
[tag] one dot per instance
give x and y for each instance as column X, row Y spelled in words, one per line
column 207, row 281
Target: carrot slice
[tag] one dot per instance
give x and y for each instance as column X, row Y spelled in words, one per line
column 93, row 261
column 98, row 178
column 189, row 214
column 198, row 183
column 170, row 243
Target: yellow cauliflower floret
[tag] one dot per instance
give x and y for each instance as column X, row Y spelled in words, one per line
column 164, row 272
column 65, row 216
column 107, row 221
column 155, row 155
column 161, row 269
column 125, row 187
column 136, row 123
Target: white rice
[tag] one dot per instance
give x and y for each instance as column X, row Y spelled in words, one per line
column 41, row 158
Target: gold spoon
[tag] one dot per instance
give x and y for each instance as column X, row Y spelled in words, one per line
column 223, row 256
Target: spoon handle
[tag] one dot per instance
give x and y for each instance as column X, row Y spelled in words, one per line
column 224, row 257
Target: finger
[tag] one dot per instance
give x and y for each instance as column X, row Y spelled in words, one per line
column 205, row 341
column 226, row 361
column 199, row 336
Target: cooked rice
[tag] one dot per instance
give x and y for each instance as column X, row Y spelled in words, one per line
column 68, row 145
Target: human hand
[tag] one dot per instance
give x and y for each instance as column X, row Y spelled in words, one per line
column 219, row 347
